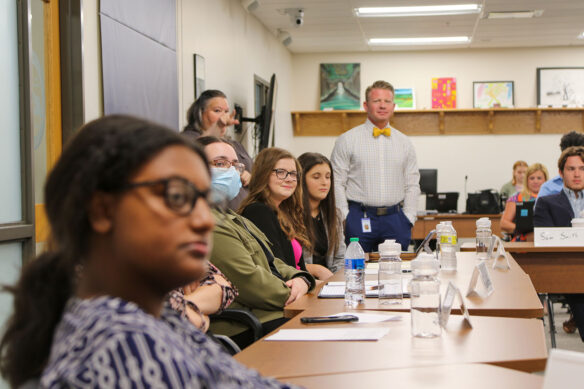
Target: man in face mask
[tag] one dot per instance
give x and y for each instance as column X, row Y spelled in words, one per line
column 242, row 252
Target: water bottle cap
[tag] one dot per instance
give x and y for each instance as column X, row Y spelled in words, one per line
column 354, row 239
column 484, row 222
column 390, row 247
column 425, row 264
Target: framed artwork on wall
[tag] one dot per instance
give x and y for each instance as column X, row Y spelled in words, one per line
column 560, row 87
column 404, row 98
column 340, row 85
column 444, row 92
column 199, row 74
column 493, row 94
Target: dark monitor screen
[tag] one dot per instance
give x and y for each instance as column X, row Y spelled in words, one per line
column 429, row 180
column 442, row 202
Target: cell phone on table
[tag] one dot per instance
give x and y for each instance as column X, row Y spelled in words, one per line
column 329, row 319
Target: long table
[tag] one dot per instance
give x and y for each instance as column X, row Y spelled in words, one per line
column 464, row 224
column 506, row 342
column 552, row 269
column 476, row 376
column 514, row 294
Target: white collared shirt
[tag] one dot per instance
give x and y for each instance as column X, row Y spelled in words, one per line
column 576, row 200
column 375, row 171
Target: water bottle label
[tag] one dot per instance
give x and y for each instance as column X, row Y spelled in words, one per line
column 448, row 239
column 354, row 264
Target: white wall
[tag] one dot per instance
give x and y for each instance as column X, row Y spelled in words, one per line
column 485, row 159
column 236, row 46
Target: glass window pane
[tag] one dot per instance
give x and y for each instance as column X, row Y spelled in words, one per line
column 10, row 195
column 10, row 265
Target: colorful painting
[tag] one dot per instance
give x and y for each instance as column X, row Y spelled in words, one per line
column 493, row 94
column 340, row 85
column 404, row 98
column 444, row 92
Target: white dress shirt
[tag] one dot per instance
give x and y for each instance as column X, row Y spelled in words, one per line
column 375, row 171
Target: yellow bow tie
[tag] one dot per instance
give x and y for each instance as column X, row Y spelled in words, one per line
column 377, row 132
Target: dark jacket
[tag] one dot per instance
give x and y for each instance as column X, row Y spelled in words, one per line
column 553, row 211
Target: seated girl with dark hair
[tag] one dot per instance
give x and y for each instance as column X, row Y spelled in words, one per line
column 130, row 221
column 322, row 219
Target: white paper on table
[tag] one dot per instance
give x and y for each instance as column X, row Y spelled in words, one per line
column 369, row 317
column 319, row 334
column 336, row 289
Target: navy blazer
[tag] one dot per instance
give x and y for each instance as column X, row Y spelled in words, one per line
column 553, row 211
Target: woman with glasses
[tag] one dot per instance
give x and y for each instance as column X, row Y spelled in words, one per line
column 130, row 221
column 209, row 116
column 322, row 219
column 264, row 282
column 274, row 204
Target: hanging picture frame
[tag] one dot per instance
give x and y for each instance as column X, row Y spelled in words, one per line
column 199, row 74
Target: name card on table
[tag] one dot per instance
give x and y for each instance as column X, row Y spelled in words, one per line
column 501, row 261
column 558, row 236
column 453, row 293
column 482, row 271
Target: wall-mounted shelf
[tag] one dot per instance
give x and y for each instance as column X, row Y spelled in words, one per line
column 448, row 121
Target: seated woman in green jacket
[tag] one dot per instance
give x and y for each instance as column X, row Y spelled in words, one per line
column 241, row 251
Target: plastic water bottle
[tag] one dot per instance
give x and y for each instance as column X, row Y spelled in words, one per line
column 448, row 241
column 439, row 228
column 425, row 297
column 354, row 274
column 389, row 275
column 483, row 238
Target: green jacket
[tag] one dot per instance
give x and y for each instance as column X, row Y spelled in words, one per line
column 240, row 257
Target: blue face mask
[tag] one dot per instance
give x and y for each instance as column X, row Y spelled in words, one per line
column 225, row 183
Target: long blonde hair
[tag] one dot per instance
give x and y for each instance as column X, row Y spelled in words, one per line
column 536, row 167
column 291, row 211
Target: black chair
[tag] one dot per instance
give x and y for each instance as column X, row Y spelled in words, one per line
column 240, row 316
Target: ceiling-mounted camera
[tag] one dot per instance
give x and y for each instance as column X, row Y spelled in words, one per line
column 297, row 17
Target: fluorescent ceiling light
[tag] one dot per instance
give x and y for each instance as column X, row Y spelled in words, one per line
column 418, row 41
column 426, row 10
column 515, row 14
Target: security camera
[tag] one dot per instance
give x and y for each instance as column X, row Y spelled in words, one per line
column 284, row 37
column 296, row 16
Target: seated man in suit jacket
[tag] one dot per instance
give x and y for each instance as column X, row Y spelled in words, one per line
column 558, row 210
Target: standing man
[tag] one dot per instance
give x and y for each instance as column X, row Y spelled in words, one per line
column 558, row 210
column 377, row 182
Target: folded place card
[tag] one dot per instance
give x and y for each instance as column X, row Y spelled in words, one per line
column 480, row 272
column 558, row 236
column 453, row 293
column 319, row 334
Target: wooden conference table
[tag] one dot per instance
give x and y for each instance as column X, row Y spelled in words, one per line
column 476, row 376
column 552, row 269
column 506, row 342
column 514, row 294
column 464, row 224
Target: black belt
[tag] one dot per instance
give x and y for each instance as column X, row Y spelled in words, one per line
column 378, row 211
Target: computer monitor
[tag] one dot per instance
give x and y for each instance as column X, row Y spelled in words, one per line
column 429, row 180
column 442, row 202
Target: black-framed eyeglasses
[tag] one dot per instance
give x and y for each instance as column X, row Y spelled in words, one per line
column 225, row 164
column 282, row 174
column 180, row 195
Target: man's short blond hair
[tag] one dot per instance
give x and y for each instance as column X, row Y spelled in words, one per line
column 378, row 85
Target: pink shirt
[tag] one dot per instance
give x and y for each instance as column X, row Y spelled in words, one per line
column 297, row 248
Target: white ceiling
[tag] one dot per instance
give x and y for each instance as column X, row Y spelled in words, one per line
column 331, row 25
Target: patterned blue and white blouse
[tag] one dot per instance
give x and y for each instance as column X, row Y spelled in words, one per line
column 107, row 342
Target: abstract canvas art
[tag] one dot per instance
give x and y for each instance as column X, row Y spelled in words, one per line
column 489, row 94
column 444, row 92
column 404, row 98
column 340, row 85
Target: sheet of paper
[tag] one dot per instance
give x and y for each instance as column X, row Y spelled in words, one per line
column 319, row 334
column 336, row 289
column 370, row 317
